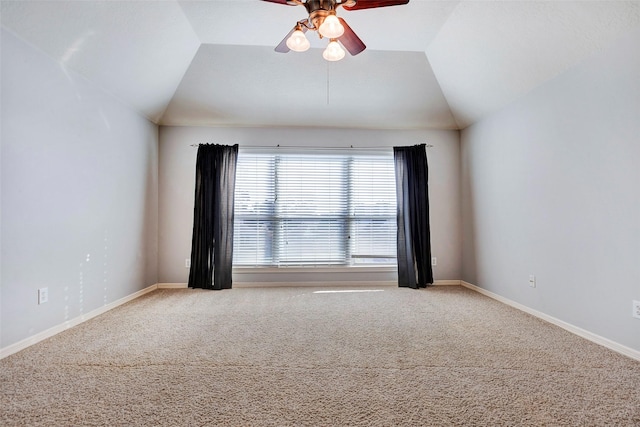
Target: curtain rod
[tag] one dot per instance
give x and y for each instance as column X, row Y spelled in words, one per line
column 316, row 148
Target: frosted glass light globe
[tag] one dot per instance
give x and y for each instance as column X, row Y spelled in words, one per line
column 331, row 28
column 333, row 52
column 298, row 42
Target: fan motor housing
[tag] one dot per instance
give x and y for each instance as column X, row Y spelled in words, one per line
column 348, row 3
column 317, row 5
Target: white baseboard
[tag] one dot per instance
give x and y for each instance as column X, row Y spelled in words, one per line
column 612, row 345
column 21, row 345
column 172, row 285
column 446, row 283
column 27, row 342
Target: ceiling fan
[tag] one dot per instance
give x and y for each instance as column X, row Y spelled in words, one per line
column 323, row 19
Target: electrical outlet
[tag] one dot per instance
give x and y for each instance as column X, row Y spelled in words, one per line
column 532, row 281
column 434, row 261
column 43, row 295
column 636, row 309
column 187, row 263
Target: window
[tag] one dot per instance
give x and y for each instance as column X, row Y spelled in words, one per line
column 315, row 209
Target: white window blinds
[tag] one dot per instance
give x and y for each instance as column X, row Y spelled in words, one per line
column 314, row 209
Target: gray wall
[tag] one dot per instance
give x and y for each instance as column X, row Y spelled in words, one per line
column 551, row 187
column 176, row 190
column 79, row 195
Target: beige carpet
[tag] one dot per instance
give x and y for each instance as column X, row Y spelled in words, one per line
column 291, row 357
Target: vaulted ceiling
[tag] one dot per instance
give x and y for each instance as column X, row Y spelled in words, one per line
column 428, row 64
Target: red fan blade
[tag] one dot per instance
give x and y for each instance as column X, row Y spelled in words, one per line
column 370, row 4
column 282, row 47
column 281, row 2
column 350, row 41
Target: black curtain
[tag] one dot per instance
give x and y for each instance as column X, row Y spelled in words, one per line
column 212, row 242
column 414, row 235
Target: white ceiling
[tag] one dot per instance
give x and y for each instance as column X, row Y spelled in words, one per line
column 428, row 64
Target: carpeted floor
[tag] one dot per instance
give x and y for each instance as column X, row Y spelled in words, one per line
column 292, row 357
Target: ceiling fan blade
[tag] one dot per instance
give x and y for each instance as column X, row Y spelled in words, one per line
column 370, row 4
column 350, row 40
column 280, row 2
column 282, row 47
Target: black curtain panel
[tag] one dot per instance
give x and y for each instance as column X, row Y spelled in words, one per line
column 414, row 235
column 212, row 242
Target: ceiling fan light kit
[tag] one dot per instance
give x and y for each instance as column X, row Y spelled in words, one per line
column 333, row 52
column 298, row 42
column 323, row 19
column 331, row 28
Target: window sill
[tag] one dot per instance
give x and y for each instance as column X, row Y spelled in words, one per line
column 316, row 269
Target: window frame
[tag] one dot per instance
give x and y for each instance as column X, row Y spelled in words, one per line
column 347, row 218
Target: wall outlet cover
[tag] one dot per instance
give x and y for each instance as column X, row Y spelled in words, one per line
column 43, row 295
column 636, row 309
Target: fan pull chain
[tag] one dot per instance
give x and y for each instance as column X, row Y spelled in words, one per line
column 327, row 82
